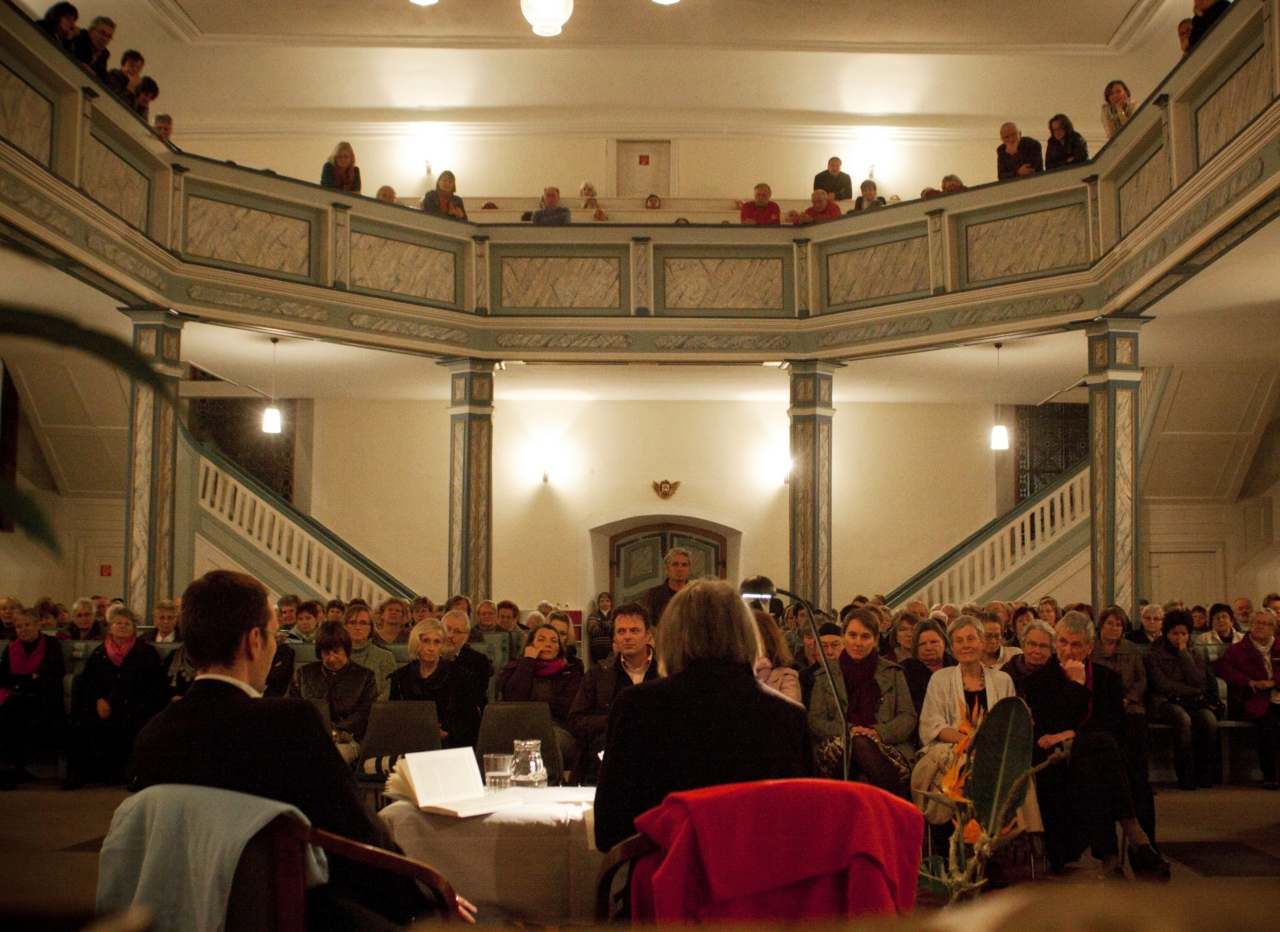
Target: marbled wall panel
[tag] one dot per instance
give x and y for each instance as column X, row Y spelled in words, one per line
column 26, row 118
column 114, row 183
column 550, row 282
column 900, row 267
column 1126, row 426
column 402, row 268
column 1036, row 242
column 245, row 236
column 740, row 284
column 1145, row 190
column 1233, row 105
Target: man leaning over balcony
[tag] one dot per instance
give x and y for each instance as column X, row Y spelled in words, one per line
column 1017, row 156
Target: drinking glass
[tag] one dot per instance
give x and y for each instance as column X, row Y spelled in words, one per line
column 497, row 771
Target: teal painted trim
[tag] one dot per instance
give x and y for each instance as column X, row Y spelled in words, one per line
column 1157, row 150
column 869, row 241
column 782, row 254
column 457, row 248
column 186, row 514
column 996, row 213
column 1249, row 49
column 137, row 165
column 500, row 251
column 1046, row 560
column 313, row 527
column 980, row 536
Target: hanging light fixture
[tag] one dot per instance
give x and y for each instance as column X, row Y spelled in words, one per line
column 271, row 416
column 999, row 435
column 666, row 2
column 546, row 16
column 424, row 2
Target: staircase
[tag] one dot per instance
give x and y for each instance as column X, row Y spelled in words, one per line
column 228, row 520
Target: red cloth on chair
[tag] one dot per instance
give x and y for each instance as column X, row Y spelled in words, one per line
column 778, row 849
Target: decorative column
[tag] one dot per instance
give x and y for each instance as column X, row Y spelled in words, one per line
column 641, row 276
column 480, row 258
column 1114, row 380
column 340, row 265
column 470, row 477
column 800, row 249
column 811, row 414
column 153, row 452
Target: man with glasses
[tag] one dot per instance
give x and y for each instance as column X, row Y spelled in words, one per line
column 1249, row 667
column 1152, row 626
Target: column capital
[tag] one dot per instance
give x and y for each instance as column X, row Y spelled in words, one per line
column 470, row 384
column 811, row 389
column 157, row 335
column 1113, row 348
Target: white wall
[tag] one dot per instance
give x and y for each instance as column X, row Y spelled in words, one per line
column 90, row 532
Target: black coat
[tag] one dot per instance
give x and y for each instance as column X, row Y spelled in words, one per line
column 1028, row 154
column 450, row 687
column 1201, row 23
column 218, row 736
column 82, row 48
column 350, row 693
column 329, row 180
column 708, row 725
column 281, row 673
column 1071, row 151
column 45, row 684
column 918, row 676
column 1058, row 704
column 603, row 683
column 134, row 690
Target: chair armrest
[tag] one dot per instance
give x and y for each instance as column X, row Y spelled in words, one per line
column 627, row 851
column 396, row 863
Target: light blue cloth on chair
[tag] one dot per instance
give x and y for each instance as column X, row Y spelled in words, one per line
column 174, row 848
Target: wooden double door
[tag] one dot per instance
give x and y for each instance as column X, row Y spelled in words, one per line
column 636, row 557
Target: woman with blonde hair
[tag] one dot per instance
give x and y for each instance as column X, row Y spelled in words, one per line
column 706, row 722
column 774, row 666
column 340, row 171
column 431, row 677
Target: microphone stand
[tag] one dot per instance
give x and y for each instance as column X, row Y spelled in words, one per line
column 846, row 741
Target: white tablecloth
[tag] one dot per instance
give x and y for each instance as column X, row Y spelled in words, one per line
column 534, row 863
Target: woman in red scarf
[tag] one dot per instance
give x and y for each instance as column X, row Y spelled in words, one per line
column 544, row 675
column 881, row 718
column 121, row 687
column 340, row 172
column 31, row 671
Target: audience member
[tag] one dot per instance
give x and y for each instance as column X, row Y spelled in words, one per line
column 773, row 668
column 682, row 221
column 1017, row 156
column 761, row 210
column 436, row 678
column 828, row 631
column 630, row 664
column 1184, row 34
column 1249, row 668
column 125, row 79
column 588, row 193
column 1222, row 628
column 60, row 23
column 9, row 608
column 600, row 628
column 823, row 209
column 1178, row 684
column 600, row 216
column 653, row 202
column 362, row 649
column 287, row 611
column 1037, row 647
column 544, row 674
column 387, row 194
column 902, row 632
column 486, row 617
column 1074, row 699
column 951, row 184
column 334, row 609
column 148, row 90
column 340, row 172
column 420, row 609
column 90, row 46
column 443, row 199
column 1200, row 620
column 1049, row 611
column 868, row 199
column 995, row 652
column 705, row 723
column 509, row 616
column 83, row 627
column 118, row 692
column 834, row 182
column 46, row 615
column 880, row 719
column 1117, row 108
column 1206, row 14
column 1066, row 146
column 393, row 612
column 1151, row 626
column 347, row 689
column 31, row 709
column 564, row 627
column 928, row 656
column 308, row 621
column 552, row 213
column 679, row 564
column 164, row 127
column 164, row 619
column 478, row 667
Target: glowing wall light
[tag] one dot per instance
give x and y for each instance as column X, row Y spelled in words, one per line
column 546, row 16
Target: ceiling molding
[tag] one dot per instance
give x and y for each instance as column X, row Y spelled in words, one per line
column 1134, row 27
column 175, row 20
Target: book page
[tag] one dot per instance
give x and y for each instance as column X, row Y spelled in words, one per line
column 441, row 776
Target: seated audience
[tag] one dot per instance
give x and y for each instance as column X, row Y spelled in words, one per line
column 588, row 193
column 9, row 609
column 363, row 651
column 552, row 213
column 833, row 181
column 164, row 619
column 1037, row 647
column 928, row 656
column 868, row 199
column 1019, row 617
column 774, row 666
column 995, row 652
column 630, row 664
column 436, row 678
column 599, row 628
column 60, row 23
column 590, row 204
column 684, row 221
column 1205, row 15
column 478, row 667
column 443, row 199
column 902, row 631
column 1179, row 691
column 118, row 692
column 600, row 216
column 1017, row 156
column 222, row 735
column 1244, row 607
column 45, row 614
column 420, row 609
column 164, row 127
column 347, row 688
column 812, row 661
column 386, row 194
column 334, row 610
column 307, row 621
column 761, row 210
column 1065, row 146
column 392, row 613
column 1200, row 620
column 31, row 709
column 125, row 79
column 486, row 619
column 1071, row 698
column 564, row 627
column 287, row 611
column 509, row 616
column 1049, row 611
column 706, row 722
column 544, row 674
column 83, row 627
column 1249, row 668
column 1184, row 34
column 1222, row 628
column 1117, row 108
column 90, row 46
column 341, row 172
column 1151, row 626
column 880, row 721
column 951, row 184
column 653, row 202
column 823, row 209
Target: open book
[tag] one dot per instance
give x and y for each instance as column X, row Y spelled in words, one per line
column 449, row 783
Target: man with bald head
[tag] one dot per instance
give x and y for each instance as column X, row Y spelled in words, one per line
column 824, row 208
column 1017, row 156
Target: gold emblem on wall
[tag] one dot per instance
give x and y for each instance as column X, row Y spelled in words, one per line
column 665, row 489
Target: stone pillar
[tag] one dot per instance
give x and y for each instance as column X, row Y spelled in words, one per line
column 1114, row 381
column 470, row 477
column 811, row 414
column 153, row 452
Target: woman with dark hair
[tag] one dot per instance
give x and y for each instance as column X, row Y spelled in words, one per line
column 340, row 171
column 31, row 712
column 600, row 628
column 880, row 720
column 121, row 687
column 347, row 688
column 1066, row 146
column 443, row 199
column 774, row 666
column 1117, row 108
column 901, row 635
column 1179, row 684
column 357, row 620
column 430, row 677
column 544, row 674
column 60, row 23
column 1019, row 618
column 1222, row 627
column 124, row 80
column 928, row 656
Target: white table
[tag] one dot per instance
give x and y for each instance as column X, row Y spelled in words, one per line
column 534, row 863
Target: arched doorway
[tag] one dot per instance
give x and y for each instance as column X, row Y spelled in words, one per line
column 636, row 556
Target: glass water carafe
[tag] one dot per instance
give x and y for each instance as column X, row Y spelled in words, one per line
column 528, row 769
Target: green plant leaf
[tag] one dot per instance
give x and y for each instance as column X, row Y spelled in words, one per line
column 1001, row 749
column 28, row 516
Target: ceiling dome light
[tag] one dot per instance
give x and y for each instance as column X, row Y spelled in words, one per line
column 666, row 2
column 546, row 16
column 424, row 2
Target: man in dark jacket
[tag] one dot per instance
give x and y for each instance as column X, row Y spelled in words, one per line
column 679, row 564
column 90, row 46
column 1017, row 156
column 630, row 664
column 1206, row 14
column 1249, row 667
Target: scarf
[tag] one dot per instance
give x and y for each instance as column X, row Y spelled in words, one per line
column 549, row 667
column 23, row 661
column 1263, row 649
column 118, row 650
column 861, row 686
